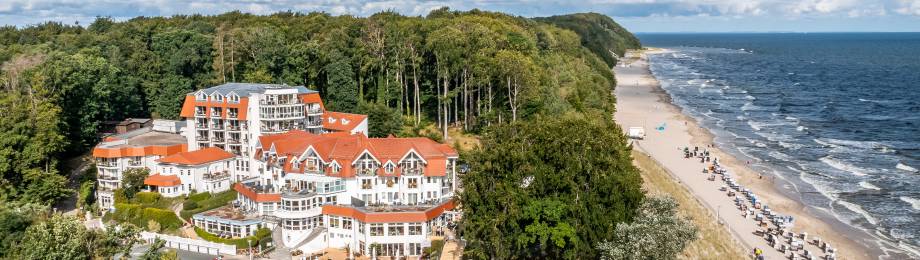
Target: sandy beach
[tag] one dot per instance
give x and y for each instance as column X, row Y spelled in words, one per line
column 642, row 102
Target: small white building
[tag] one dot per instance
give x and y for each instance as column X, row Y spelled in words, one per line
column 205, row 170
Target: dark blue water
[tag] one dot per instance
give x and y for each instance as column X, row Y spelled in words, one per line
column 832, row 114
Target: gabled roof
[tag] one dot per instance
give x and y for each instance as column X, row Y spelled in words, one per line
column 203, row 156
column 345, row 149
column 162, row 180
column 345, row 122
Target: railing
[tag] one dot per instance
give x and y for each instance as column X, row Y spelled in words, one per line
column 216, row 176
column 201, row 138
column 200, row 113
column 133, row 163
column 106, row 164
column 202, row 126
column 314, row 122
column 215, row 113
column 231, row 115
column 280, row 103
column 217, row 127
column 217, row 140
column 314, row 111
column 281, row 115
column 108, row 177
column 233, row 127
column 412, row 171
column 366, row 171
column 234, row 141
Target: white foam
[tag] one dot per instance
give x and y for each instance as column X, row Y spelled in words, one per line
column 801, row 128
column 868, row 186
column 859, row 210
column 905, row 167
column 830, row 161
column 914, row 203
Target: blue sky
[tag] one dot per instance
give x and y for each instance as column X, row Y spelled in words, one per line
column 635, row 15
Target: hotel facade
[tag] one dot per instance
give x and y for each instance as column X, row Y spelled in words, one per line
column 311, row 175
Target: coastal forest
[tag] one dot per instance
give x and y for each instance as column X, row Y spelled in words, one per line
column 551, row 178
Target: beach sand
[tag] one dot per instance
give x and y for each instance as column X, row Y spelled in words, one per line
column 642, row 102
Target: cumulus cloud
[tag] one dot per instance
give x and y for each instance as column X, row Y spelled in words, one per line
column 23, row 12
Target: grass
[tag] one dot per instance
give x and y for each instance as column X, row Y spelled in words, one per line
column 240, row 243
column 204, row 202
column 714, row 241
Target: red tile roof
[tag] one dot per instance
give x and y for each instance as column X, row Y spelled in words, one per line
column 207, row 155
column 188, row 107
column 344, row 149
column 162, row 180
column 344, row 122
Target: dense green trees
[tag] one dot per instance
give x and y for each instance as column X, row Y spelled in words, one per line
column 61, row 237
column 598, row 33
column 132, row 180
column 549, row 187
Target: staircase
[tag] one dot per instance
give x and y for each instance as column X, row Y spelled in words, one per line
column 281, row 251
column 313, row 235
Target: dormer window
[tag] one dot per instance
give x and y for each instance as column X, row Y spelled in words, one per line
column 234, row 98
column 335, row 167
column 389, row 167
column 200, row 96
column 217, row 97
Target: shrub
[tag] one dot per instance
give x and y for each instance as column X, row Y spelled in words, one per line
column 189, row 205
column 199, row 196
column 214, row 201
column 255, row 240
column 147, row 197
column 140, row 216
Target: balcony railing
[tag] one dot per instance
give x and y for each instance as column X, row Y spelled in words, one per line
column 314, row 111
column 133, row 163
column 202, row 126
column 366, row 171
column 231, row 115
column 107, row 164
column 280, row 103
column 200, row 113
column 215, row 113
column 217, row 176
column 217, row 126
column 412, row 171
column 201, row 138
column 217, row 140
column 233, row 141
column 108, row 177
column 233, row 127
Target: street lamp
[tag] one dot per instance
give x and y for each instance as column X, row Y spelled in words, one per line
column 249, row 244
column 719, row 213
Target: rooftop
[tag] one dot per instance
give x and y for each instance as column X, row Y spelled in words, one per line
column 338, row 121
column 246, row 89
column 206, row 155
column 142, row 137
column 229, row 213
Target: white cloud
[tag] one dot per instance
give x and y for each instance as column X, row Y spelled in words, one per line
column 22, row 12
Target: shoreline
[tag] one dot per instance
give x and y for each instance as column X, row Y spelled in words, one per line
column 683, row 130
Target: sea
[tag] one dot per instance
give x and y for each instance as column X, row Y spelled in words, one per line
column 835, row 117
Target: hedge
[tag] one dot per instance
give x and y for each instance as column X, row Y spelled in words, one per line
column 214, row 201
column 147, row 197
column 238, row 242
column 189, row 205
column 199, row 196
column 139, row 216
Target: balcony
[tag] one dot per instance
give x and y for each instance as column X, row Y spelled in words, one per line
column 297, row 193
column 280, row 102
column 107, row 164
column 233, row 127
column 234, row 141
column 215, row 113
column 231, row 115
column 314, row 123
column 413, row 171
column 364, row 172
column 202, row 126
column 200, row 113
column 107, row 177
column 201, row 138
column 217, row 140
column 217, row 127
column 314, row 112
column 216, row 176
column 134, row 163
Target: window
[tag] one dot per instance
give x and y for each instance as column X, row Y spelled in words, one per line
column 217, row 97
column 366, row 184
column 376, row 229
column 390, row 167
column 334, row 222
column 346, row 223
column 413, row 183
column 335, row 167
column 396, row 230
column 415, row 229
column 201, row 96
column 361, row 227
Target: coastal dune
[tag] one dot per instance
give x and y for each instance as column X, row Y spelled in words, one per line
column 642, row 102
